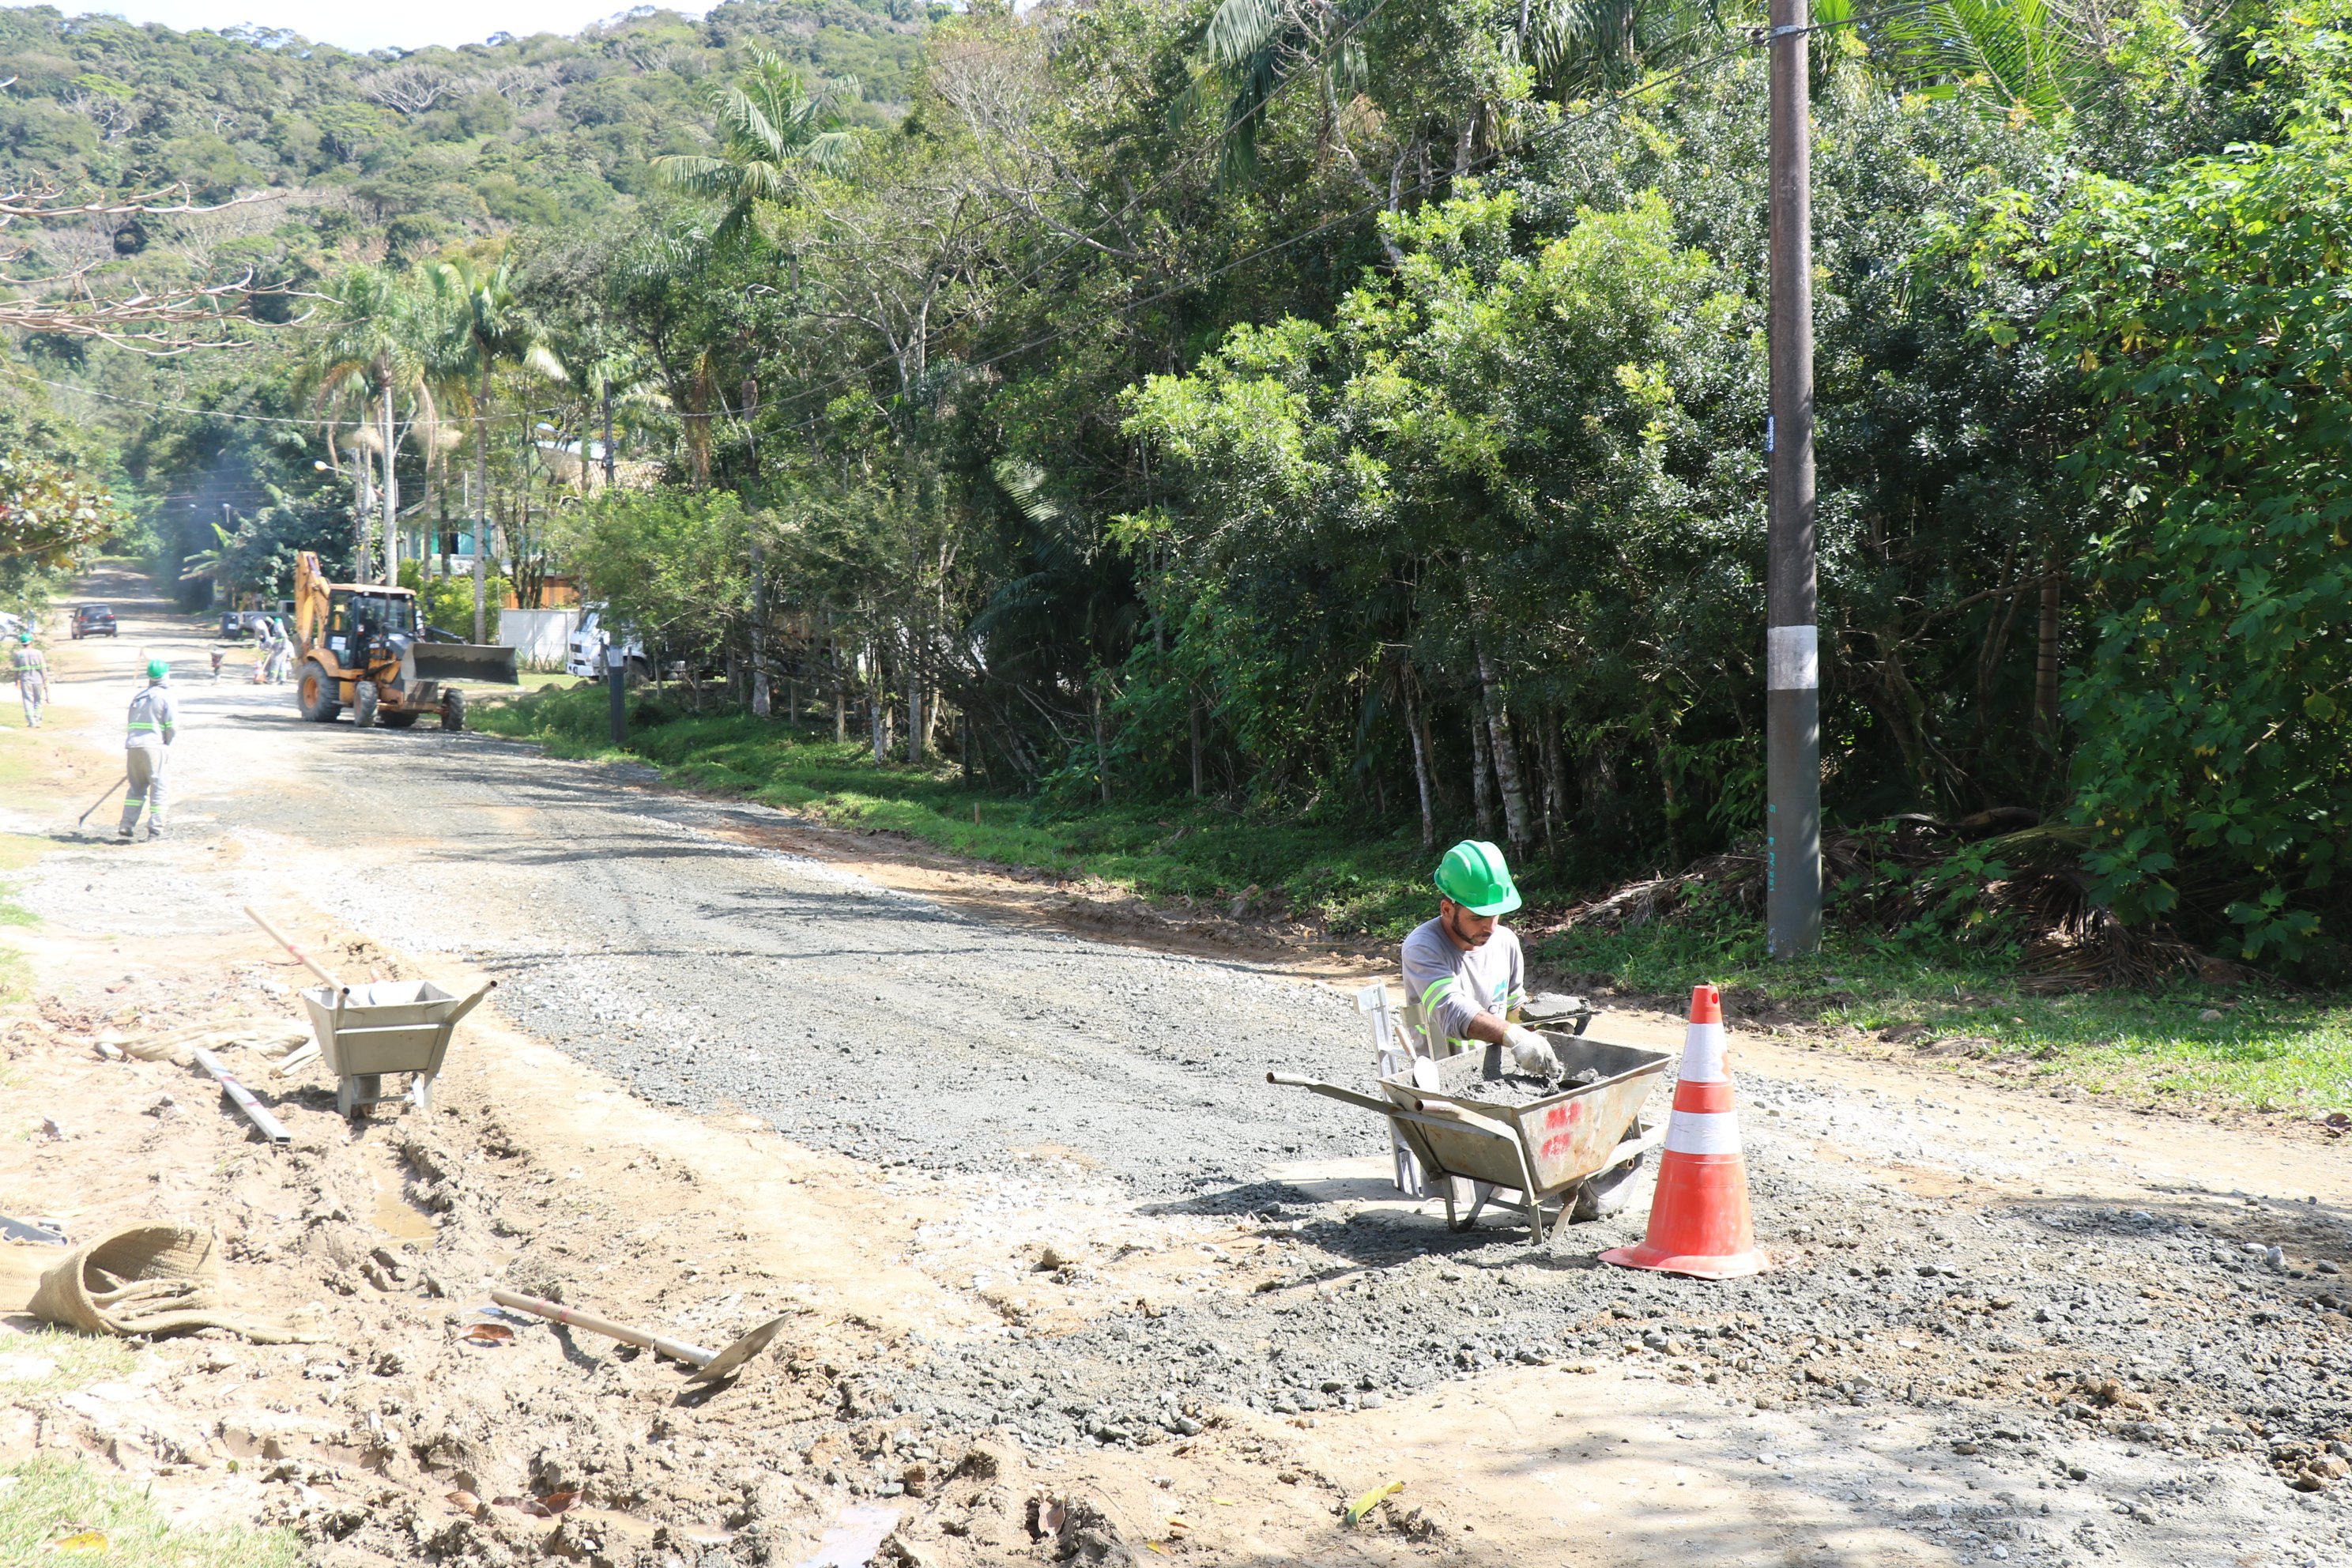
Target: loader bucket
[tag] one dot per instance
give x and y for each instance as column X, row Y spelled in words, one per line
column 475, row 662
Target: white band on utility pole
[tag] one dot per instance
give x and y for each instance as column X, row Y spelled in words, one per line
column 1792, row 659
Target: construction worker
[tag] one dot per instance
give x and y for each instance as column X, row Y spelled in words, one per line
column 32, row 678
column 144, row 748
column 1466, row 971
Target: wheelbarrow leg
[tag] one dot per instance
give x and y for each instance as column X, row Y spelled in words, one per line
column 420, row 1092
column 345, row 1091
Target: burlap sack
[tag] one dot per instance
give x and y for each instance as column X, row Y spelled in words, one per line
column 149, row 1279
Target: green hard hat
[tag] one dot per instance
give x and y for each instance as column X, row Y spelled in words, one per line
column 1475, row 875
column 157, row 669
column 23, row 637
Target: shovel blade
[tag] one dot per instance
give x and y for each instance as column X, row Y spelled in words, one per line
column 727, row 1361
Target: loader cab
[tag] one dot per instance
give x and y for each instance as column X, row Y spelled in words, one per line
column 358, row 620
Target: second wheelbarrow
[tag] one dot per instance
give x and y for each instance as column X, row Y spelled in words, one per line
column 385, row 1027
column 1545, row 1150
column 366, row 1032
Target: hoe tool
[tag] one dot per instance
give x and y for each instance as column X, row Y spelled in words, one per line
column 102, row 800
column 709, row 1366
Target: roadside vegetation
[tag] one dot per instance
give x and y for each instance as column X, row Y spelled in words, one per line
column 1956, row 994
column 1324, row 867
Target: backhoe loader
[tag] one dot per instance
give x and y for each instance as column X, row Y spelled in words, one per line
column 362, row 647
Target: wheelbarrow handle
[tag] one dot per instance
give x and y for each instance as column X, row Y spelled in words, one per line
column 470, row 1002
column 676, row 1350
column 1333, row 1091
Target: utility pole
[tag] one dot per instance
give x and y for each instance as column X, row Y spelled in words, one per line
column 759, row 700
column 604, row 384
column 1793, row 701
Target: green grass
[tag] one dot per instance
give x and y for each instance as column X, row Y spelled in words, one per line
column 46, row 1503
column 1329, row 870
column 2266, row 1049
column 58, row 1360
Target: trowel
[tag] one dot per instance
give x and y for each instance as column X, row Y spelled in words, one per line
column 710, row 1366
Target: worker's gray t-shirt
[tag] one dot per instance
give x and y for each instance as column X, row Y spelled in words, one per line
column 1454, row 987
column 153, row 715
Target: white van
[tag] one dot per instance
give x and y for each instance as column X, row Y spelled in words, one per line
column 586, row 649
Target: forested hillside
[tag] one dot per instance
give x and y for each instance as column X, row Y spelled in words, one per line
column 372, row 156
column 1335, row 414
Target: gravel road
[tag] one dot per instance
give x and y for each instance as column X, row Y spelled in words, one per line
column 624, row 928
column 2150, row 1382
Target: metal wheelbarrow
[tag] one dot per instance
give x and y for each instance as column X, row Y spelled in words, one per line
column 385, row 1027
column 1545, row 1150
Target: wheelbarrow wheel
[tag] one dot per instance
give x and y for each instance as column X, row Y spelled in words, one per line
column 356, row 1091
column 1607, row 1192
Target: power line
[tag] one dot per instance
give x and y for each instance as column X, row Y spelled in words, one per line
column 312, row 423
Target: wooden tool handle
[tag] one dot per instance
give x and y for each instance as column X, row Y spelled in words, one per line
column 676, row 1350
column 278, row 937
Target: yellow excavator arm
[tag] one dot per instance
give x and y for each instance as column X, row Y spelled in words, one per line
column 311, row 602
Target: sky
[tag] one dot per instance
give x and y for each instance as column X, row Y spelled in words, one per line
column 411, row 25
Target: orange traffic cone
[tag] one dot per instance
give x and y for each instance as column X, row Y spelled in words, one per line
column 1699, row 1222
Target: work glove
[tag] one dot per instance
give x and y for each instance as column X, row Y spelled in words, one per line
column 1531, row 1053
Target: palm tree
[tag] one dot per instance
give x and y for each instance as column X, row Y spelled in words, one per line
column 2038, row 58
column 377, row 349
column 484, row 327
column 1579, row 48
column 770, row 132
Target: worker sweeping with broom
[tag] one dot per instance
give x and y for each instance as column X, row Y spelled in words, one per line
column 1465, row 969
column 153, row 717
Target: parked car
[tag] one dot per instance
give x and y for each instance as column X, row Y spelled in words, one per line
column 585, row 654
column 236, row 623
column 93, row 621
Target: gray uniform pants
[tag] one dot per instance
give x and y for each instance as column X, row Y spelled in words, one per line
column 145, row 765
column 34, row 689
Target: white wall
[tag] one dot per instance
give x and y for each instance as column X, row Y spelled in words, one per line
column 538, row 636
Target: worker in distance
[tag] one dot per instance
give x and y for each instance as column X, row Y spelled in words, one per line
column 1465, row 967
column 154, row 720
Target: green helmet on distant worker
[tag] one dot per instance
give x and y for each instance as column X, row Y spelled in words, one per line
column 157, row 669
column 23, row 637
column 1475, row 875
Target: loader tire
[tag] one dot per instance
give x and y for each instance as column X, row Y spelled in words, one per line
column 314, row 693
column 363, row 704
column 453, row 710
